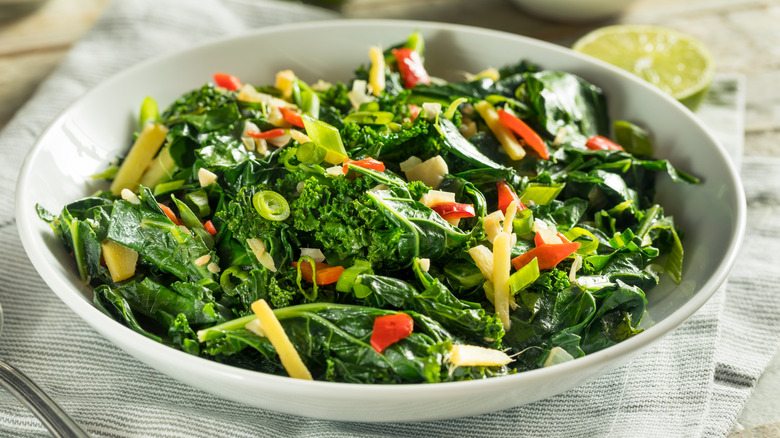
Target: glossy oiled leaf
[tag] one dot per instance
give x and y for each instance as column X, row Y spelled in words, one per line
column 562, row 100
column 158, row 240
column 425, row 233
column 465, row 319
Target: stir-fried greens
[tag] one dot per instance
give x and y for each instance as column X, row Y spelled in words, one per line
column 395, row 228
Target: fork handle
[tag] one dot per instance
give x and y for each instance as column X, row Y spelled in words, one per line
column 47, row 410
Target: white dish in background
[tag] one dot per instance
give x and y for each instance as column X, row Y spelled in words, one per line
column 98, row 127
column 11, row 9
column 574, row 11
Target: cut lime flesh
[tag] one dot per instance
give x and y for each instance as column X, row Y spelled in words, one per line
column 676, row 63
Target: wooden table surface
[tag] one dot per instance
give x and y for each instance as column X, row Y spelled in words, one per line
column 742, row 34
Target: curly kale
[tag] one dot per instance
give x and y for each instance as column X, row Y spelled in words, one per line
column 243, row 221
column 350, row 218
column 278, row 290
column 398, row 104
column 336, row 97
column 418, row 138
column 198, row 101
column 341, row 218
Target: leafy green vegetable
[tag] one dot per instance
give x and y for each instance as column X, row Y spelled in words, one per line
column 423, row 232
column 465, row 319
column 340, row 217
column 158, row 240
column 370, row 242
column 562, row 100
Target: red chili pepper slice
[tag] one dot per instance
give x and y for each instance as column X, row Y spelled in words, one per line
column 366, row 163
column 600, row 143
column 414, row 111
column 506, row 194
column 411, row 67
column 323, row 274
column 225, row 80
column 168, row 212
column 328, row 275
column 278, row 132
column 548, row 255
column 453, row 210
column 209, row 226
column 291, row 117
column 389, row 329
column 531, row 138
column 538, row 240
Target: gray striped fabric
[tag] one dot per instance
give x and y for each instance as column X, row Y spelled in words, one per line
column 692, row 383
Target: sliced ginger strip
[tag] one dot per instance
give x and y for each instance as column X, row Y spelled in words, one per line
column 289, row 356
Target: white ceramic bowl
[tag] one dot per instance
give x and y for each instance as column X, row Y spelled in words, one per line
column 11, row 9
column 573, row 11
column 98, row 127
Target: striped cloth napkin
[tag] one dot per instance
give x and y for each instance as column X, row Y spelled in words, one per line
column 692, row 383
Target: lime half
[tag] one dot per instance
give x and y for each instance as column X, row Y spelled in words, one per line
column 675, row 62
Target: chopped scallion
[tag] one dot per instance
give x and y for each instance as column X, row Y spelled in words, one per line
column 271, row 205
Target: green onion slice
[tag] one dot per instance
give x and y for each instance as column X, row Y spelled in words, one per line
column 325, row 136
column 633, row 138
column 524, row 222
column 524, row 277
column 450, row 112
column 232, row 277
column 587, row 245
column 370, row 117
column 148, row 113
column 271, row 205
column 310, row 153
column 348, row 277
column 541, row 194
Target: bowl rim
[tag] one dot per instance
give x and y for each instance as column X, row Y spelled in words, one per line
column 100, row 322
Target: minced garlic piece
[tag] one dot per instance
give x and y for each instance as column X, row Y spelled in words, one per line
column 130, row 197
column 202, row 260
column 206, row 177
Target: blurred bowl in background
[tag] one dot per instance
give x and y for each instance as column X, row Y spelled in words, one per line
column 573, row 11
column 10, row 9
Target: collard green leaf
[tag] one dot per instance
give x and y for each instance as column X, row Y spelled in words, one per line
column 83, row 225
column 149, row 298
column 446, row 93
column 454, row 143
column 334, row 343
column 116, row 307
column 467, row 320
column 425, row 233
column 158, row 240
column 563, row 100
